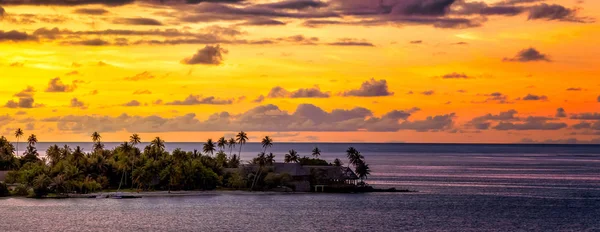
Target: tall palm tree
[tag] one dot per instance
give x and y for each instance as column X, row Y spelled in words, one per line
column 354, row 156
column 231, row 145
column 18, row 135
column 135, row 139
column 316, row 152
column 222, row 143
column 241, row 138
column 126, row 148
column 209, row 147
column 266, row 143
column 291, row 156
column 97, row 144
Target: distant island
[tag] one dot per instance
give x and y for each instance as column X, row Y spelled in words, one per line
column 127, row 167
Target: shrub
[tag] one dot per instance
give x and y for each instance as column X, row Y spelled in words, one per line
column 3, row 190
column 21, row 190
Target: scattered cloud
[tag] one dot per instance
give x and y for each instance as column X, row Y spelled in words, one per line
column 57, row 86
column 209, row 55
column 561, row 113
column 198, row 100
column 455, row 75
column 314, row 92
column 76, row 103
column 533, row 97
column 138, row 21
column 352, row 42
column 143, row 76
column 529, row 55
column 428, row 92
column 132, row 103
column 91, row 11
column 556, row 12
column 370, row 88
column 586, row 116
column 259, row 99
column 27, row 92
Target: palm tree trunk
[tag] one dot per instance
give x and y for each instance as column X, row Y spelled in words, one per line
column 240, row 154
column 123, row 175
column 17, row 146
column 256, row 178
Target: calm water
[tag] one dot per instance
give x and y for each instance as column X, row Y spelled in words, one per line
column 461, row 188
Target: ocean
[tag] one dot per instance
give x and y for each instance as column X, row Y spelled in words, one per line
column 468, row 187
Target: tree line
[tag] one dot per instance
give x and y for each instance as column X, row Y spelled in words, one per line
column 129, row 166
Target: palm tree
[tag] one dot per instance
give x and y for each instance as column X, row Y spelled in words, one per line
column 135, row 139
column 270, row 159
column 18, row 135
column 96, row 137
column 291, row 156
column 209, row 147
column 241, row 138
column 97, row 144
column 32, row 140
column 362, row 170
column 266, row 143
column 316, row 152
column 158, row 143
column 221, row 143
column 354, row 156
column 261, row 161
column 126, row 148
column 231, row 145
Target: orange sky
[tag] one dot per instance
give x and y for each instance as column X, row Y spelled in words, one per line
column 413, row 71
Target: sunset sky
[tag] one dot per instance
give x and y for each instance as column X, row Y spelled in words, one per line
column 449, row 71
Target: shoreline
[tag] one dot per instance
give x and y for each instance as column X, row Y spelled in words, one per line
column 192, row 193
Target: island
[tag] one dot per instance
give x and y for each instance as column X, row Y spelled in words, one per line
column 66, row 172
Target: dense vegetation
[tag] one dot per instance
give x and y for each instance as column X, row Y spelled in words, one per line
column 71, row 170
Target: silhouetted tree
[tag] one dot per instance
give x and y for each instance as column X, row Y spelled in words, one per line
column 18, row 135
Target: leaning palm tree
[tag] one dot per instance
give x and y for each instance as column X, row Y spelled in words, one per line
column 266, row 143
column 291, row 157
column 209, row 147
column 231, row 145
column 354, row 156
column 241, row 138
column 316, row 152
column 221, row 143
column 18, row 135
column 261, row 160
